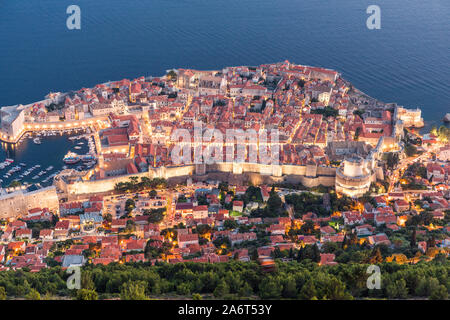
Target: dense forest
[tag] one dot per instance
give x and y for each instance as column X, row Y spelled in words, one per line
column 232, row 280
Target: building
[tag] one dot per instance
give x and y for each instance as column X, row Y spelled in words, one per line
column 73, row 261
column 12, row 120
column 353, row 177
column 200, row 212
column 238, row 206
column 187, row 239
column 184, row 208
column 410, row 117
column 444, row 153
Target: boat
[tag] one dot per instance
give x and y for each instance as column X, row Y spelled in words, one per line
column 49, row 168
column 77, row 147
column 23, row 164
column 9, row 160
column 88, row 158
column 37, row 141
column 71, row 158
column 447, row 118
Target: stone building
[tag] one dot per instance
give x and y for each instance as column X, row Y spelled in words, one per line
column 354, row 176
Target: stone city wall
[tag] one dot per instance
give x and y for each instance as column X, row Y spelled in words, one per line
column 233, row 173
column 18, row 203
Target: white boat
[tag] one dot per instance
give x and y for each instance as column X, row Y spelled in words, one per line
column 37, row 141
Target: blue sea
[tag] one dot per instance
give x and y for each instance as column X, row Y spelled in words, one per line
column 407, row 61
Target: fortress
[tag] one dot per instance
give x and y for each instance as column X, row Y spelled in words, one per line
column 309, row 175
column 353, row 177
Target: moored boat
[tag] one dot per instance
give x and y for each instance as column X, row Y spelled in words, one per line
column 71, row 158
column 447, row 118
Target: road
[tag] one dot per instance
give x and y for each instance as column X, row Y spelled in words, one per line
column 405, row 163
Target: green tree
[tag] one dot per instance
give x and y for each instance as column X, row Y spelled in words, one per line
column 316, row 253
column 413, row 238
column 270, row 288
column 155, row 215
column 133, row 290
column 33, row 294
column 308, row 291
column 230, row 224
column 222, row 289
column 172, row 75
column 130, row 205
column 335, row 290
column 392, row 160
column 86, row 280
column 440, row 293
column 246, row 290
column 357, row 133
column 289, row 288
column 274, row 202
column 2, row 293
column 397, row 289
column 410, row 150
column 184, row 289
column 87, row 294
column 130, row 226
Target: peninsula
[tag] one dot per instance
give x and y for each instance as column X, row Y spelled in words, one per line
column 320, row 168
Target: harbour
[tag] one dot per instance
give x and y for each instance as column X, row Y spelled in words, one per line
column 38, row 157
